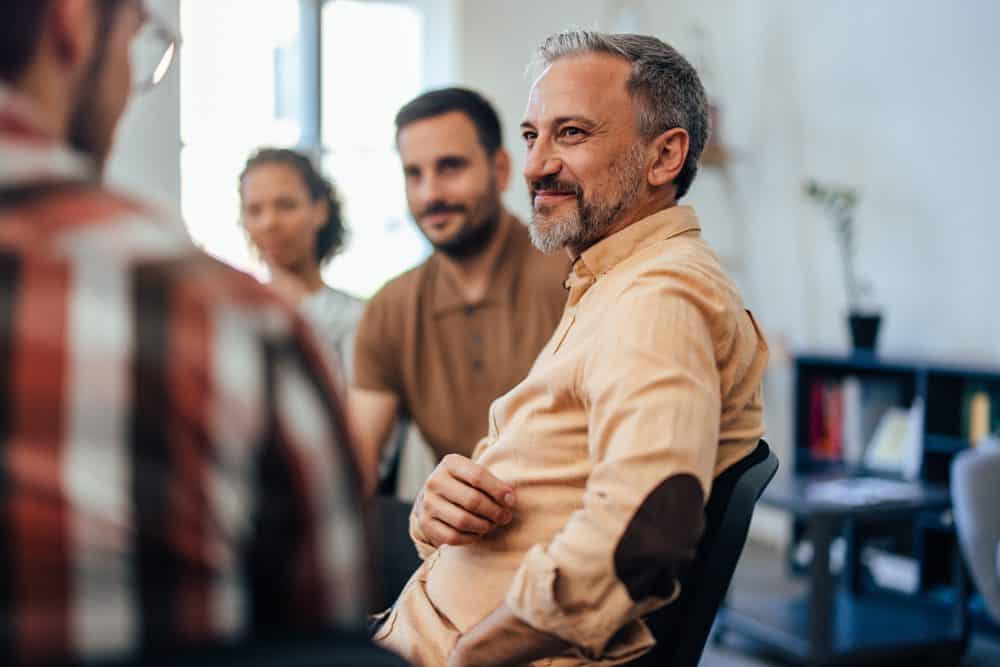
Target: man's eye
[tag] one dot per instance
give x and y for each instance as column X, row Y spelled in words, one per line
column 528, row 136
column 571, row 132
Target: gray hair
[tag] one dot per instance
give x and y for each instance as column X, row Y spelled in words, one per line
column 663, row 83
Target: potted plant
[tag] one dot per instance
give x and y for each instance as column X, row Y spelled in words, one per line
column 840, row 204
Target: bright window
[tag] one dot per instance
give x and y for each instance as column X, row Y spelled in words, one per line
column 360, row 101
column 244, row 83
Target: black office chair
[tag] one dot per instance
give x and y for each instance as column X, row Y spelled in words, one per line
column 682, row 628
column 398, row 558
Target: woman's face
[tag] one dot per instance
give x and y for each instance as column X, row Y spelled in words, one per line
column 280, row 216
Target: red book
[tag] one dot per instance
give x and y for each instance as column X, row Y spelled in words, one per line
column 817, row 421
column 835, row 421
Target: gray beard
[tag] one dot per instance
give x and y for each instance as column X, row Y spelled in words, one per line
column 589, row 222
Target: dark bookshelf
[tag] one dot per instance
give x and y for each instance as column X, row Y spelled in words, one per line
column 946, row 390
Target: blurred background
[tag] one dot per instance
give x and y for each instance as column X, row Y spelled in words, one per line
column 891, row 101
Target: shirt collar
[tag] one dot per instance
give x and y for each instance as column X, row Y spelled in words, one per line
column 28, row 153
column 607, row 253
column 447, row 296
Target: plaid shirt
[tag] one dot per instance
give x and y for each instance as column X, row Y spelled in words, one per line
column 174, row 463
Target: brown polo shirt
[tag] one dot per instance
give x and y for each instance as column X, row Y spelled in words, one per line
column 447, row 360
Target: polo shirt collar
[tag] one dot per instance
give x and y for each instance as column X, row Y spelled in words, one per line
column 447, row 296
column 607, row 253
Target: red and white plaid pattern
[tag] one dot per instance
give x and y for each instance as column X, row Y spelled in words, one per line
column 174, row 463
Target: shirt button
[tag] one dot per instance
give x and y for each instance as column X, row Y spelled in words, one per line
column 476, row 338
column 477, row 365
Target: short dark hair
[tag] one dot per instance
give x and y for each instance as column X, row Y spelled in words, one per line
column 20, row 32
column 442, row 101
column 331, row 237
column 21, row 24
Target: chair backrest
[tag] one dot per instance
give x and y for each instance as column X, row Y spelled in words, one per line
column 975, row 493
column 681, row 629
column 397, row 557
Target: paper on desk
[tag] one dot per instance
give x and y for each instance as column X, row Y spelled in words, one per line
column 857, row 491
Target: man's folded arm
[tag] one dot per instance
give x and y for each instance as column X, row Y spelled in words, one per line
column 652, row 392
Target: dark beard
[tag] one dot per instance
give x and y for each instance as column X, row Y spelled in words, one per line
column 472, row 240
column 481, row 226
column 84, row 134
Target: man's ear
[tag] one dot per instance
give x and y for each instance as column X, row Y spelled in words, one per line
column 501, row 168
column 72, row 29
column 671, row 149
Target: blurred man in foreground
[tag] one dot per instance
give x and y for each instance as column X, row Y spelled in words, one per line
column 575, row 515
column 174, row 466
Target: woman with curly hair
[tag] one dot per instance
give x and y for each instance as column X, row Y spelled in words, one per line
column 293, row 217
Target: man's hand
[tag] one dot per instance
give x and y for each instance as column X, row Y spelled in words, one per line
column 462, row 501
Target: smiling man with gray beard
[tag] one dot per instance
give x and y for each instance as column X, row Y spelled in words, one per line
column 574, row 516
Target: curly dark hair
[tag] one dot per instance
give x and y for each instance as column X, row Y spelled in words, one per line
column 332, row 236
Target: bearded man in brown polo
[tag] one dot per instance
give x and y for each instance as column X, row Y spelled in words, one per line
column 439, row 343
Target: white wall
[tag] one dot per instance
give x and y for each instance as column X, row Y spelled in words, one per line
column 894, row 96
column 897, row 97
column 146, row 158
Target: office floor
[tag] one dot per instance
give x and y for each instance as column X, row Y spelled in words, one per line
column 762, row 570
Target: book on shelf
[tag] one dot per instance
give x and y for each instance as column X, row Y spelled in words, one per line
column 980, row 412
column 897, row 444
column 826, row 410
column 844, row 413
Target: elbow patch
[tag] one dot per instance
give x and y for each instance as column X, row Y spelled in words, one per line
column 661, row 538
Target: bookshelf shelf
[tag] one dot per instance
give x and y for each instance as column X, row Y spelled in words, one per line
column 945, row 444
column 840, row 400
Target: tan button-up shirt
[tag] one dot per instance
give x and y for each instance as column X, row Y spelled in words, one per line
column 648, row 389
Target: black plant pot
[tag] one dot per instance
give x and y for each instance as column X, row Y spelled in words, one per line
column 864, row 330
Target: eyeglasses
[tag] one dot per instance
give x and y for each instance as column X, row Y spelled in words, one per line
column 153, row 50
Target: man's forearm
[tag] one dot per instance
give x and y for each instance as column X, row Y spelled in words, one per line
column 502, row 639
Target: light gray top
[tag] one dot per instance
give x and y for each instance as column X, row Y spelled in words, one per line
column 335, row 316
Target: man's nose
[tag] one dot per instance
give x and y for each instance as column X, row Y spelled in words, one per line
column 540, row 163
column 429, row 189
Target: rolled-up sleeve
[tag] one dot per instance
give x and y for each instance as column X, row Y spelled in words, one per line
column 651, row 390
